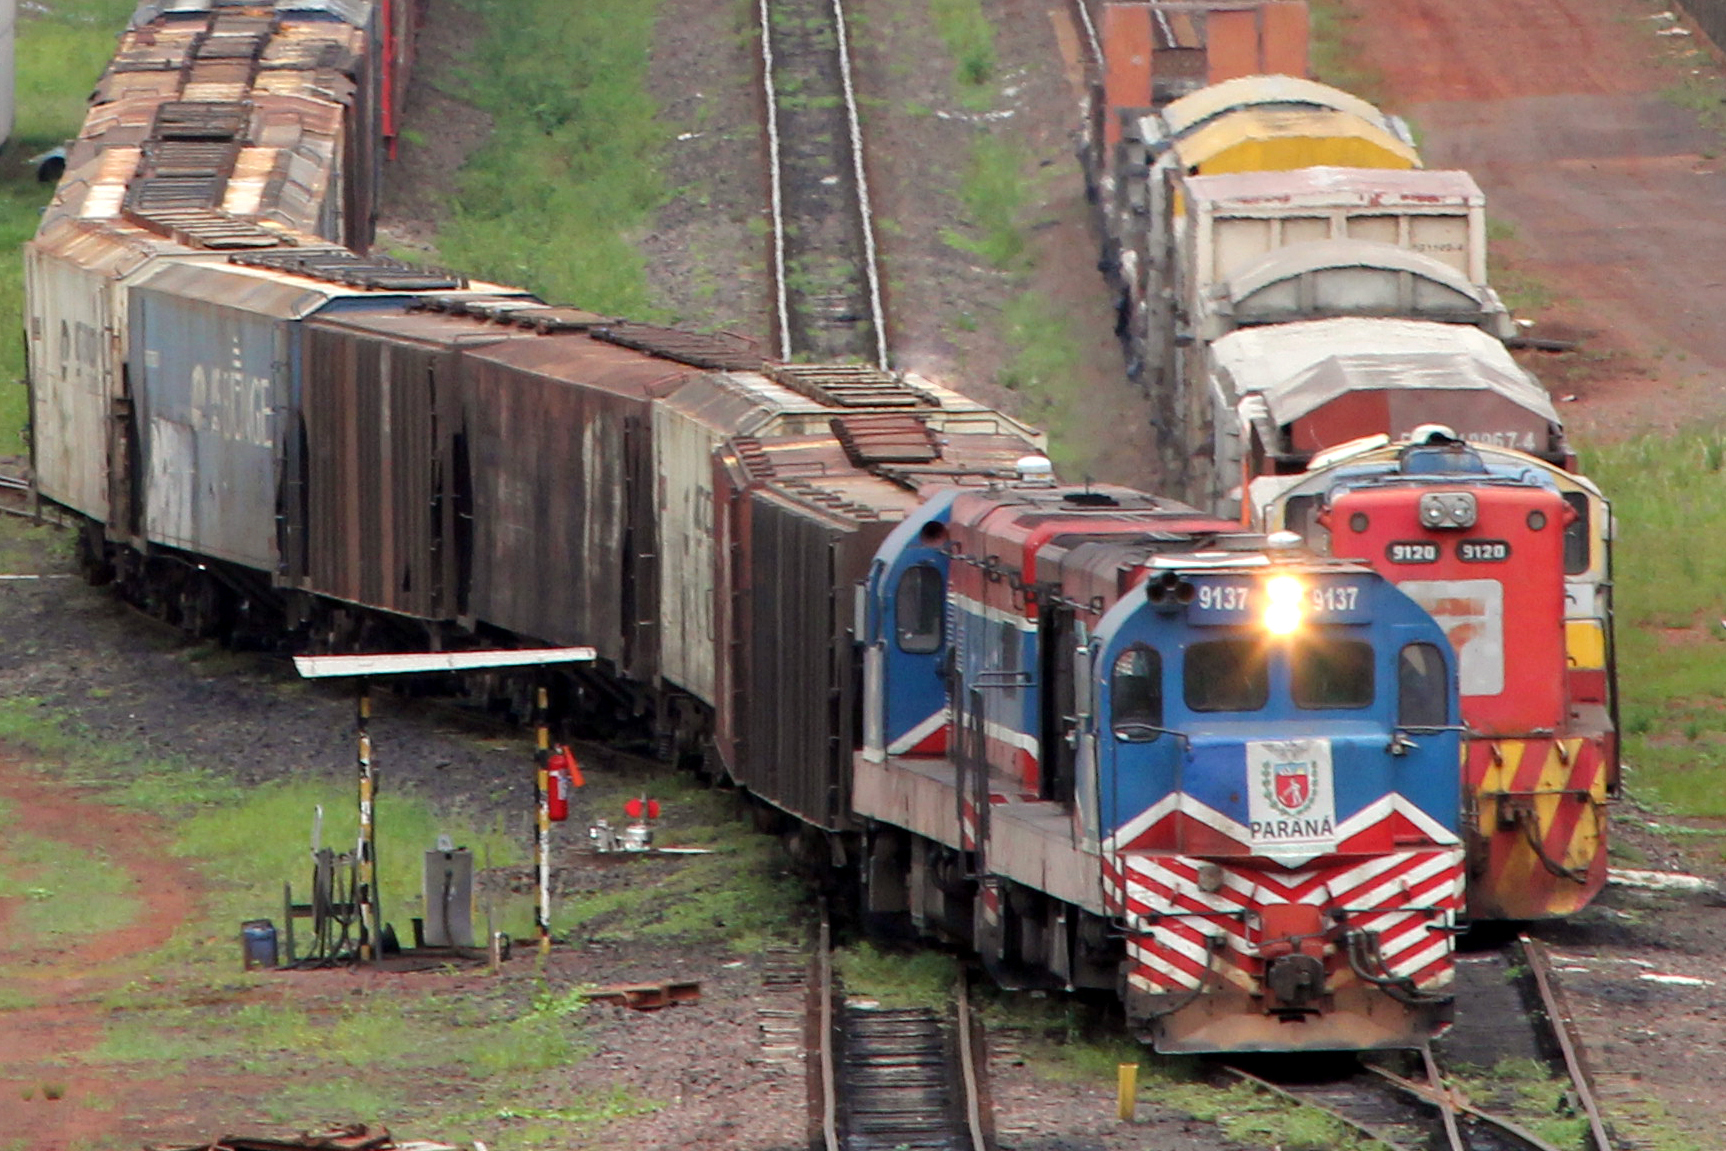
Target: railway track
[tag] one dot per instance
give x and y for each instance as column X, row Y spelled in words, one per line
column 825, row 263
column 16, row 494
column 897, row 1079
column 1508, row 1009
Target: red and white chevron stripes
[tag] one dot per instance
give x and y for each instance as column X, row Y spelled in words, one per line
column 1407, row 898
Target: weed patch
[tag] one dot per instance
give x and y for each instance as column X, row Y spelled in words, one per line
column 994, row 193
column 970, row 41
column 554, row 200
column 923, row 978
column 1669, row 565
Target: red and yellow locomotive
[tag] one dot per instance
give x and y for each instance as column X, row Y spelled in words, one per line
column 1511, row 555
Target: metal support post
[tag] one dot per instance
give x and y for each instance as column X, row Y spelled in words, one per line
column 542, row 818
column 370, row 914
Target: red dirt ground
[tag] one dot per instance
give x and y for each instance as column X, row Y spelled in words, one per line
column 66, row 984
column 1563, row 110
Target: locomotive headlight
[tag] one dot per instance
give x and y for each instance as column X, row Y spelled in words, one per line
column 1285, row 598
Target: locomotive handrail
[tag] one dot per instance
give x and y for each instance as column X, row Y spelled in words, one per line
column 1116, row 730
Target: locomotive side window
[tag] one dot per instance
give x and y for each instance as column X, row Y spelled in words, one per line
column 1420, row 687
column 1576, row 534
column 918, row 615
column 1226, row 675
column 1136, row 694
column 1331, row 673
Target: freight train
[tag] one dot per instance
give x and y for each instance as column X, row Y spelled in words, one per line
column 1292, row 280
column 1109, row 741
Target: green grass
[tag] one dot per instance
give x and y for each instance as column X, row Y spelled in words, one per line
column 970, row 40
column 741, row 896
column 1255, row 1118
column 68, row 890
column 1533, row 1097
column 924, row 978
column 1043, row 368
column 244, row 841
column 994, row 192
column 1670, row 561
column 556, row 198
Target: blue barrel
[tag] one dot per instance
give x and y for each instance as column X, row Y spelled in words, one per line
column 259, row 938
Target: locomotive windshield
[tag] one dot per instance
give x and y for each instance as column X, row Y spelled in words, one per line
column 1227, row 675
column 1331, row 673
column 1136, row 687
column 1325, row 673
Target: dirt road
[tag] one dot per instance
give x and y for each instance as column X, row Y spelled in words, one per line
column 1576, row 118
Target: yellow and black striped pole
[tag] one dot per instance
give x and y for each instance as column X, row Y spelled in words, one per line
column 542, row 819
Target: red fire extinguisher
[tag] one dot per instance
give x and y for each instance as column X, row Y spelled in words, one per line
column 563, row 775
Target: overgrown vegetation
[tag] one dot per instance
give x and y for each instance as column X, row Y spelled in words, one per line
column 922, row 978
column 556, row 198
column 998, row 188
column 970, row 41
column 1526, row 1091
column 995, row 194
column 1669, row 568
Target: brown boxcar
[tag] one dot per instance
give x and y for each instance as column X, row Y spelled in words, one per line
column 803, row 523
column 563, row 544
column 381, row 412
column 809, row 511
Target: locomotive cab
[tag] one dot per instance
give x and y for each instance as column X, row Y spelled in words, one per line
column 1510, row 556
column 1269, row 749
column 902, row 625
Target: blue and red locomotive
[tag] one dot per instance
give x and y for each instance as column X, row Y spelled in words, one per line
column 1113, row 742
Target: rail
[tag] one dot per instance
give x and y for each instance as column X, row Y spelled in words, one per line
column 897, row 1079
column 1385, row 1105
column 826, row 262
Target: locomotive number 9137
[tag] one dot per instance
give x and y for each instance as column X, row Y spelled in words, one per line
column 1243, row 599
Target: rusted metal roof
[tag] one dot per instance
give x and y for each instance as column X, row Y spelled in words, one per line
column 886, row 438
column 718, row 352
column 207, row 228
column 852, row 386
column 340, row 266
column 558, row 319
column 355, row 12
column 196, row 120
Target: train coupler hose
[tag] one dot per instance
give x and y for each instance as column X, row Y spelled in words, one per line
column 1529, row 822
column 1213, row 949
column 1367, row 962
